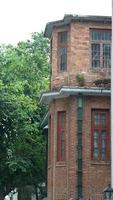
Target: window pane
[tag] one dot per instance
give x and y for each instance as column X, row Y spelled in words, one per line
column 107, row 55
column 63, row 37
column 95, row 55
column 100, row 119
column 96, row 145
column 96, row 35
column 101, row 35
column 63, row 120
column 103, row 119
column 96, row 119
column 100, row 134
column 62, row 145
column 61, row 136
column 63, row 58
column 106, row 35
column 103, row 144
column 101, row 48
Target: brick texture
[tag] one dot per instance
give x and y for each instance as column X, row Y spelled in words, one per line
column 62, row 176
column 79, row 56
column 96, row 175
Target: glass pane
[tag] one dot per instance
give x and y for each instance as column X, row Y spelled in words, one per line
column 111, row 196
column 103, row 144
column 96, row 35
column 95, row 55
column 63, row 37
column 61, row 135
column 62, row 145
column 63, row 120
column 107, row 55
column 96, row 145
column 96, row 119
column 106, row 35
column 63, row 58
column 101, row 35
column 100, row 118
column 103, row 119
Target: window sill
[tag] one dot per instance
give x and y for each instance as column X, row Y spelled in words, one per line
column 62, row 71
column 61, row 163
column 99, row 162
column 100, row 69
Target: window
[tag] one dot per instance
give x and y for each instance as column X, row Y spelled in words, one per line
column 100, row 135
column 101, row 48
column 62, row 51
column 61, row 124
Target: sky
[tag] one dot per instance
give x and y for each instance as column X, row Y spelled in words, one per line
column 20, row 18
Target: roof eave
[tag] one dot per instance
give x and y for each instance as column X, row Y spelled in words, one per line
column 68, row 18
column 46, row 98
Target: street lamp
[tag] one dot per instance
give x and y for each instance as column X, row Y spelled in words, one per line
column 108, row 193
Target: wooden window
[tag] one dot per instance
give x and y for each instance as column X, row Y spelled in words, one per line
column 101, row 48
column 61, row 124
column 100, row 135
column 62, row 51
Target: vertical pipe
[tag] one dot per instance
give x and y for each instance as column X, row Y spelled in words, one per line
column 112, row 104
column 79, row 146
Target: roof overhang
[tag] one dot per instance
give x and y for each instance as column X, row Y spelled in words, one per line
column 69, row 18
column 64, row 92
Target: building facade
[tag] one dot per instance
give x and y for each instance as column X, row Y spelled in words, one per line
column 79, row 107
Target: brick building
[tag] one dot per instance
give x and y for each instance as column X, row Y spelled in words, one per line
column 79, row 107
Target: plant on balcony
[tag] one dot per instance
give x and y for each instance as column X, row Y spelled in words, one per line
column 80, row 79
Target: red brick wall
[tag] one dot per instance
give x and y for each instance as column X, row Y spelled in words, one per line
column 62, row 176
column 79, row 55
column 96, row 174
column 63, row 172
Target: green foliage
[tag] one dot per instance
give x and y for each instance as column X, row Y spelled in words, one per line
column 80, row 79
column 24, row 75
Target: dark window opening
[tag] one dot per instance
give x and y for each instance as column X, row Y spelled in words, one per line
column 63, row 59
column 62, row 51
column 62, row 37
column 61, row 136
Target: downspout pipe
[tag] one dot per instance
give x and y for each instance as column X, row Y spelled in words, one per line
column 79, row 146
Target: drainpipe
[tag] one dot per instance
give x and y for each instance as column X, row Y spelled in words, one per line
column 79, row 145
column 112, row 104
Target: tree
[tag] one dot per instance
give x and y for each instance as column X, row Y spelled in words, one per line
column 24, row 75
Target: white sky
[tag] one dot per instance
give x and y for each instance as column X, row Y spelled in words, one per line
column 19, row 18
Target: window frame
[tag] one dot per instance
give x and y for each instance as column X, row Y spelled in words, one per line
column 101, row 43
column 100, row 128
column 62, row 46
column 61, row 132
